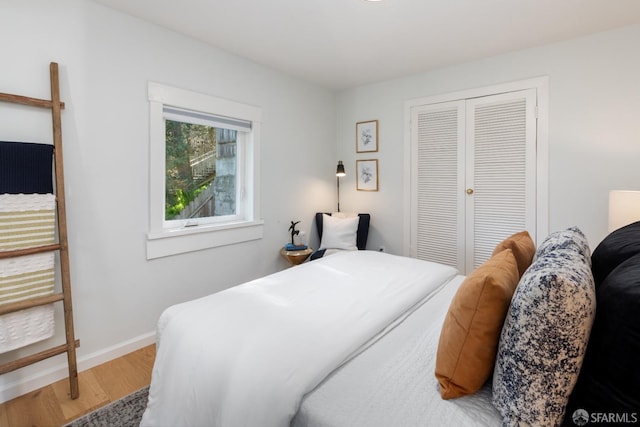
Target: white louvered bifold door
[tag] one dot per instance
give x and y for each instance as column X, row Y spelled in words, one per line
column 437, row 211
column 500, row 173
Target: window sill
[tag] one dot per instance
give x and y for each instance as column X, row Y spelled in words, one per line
column 177, row 241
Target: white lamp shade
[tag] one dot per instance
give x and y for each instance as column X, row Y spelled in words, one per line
column 624, row 208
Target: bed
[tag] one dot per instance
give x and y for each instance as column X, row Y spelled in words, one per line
column 362, row 338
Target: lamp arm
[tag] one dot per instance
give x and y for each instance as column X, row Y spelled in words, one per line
column 338, row 188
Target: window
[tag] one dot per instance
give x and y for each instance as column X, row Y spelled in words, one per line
column 203, row 171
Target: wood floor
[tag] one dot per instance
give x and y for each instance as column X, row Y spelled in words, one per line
column 51, row 406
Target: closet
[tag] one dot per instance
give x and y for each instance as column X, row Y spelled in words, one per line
column 473, row 178
column 28, row 238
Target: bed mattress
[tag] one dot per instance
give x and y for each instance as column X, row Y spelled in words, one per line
column 392, row 383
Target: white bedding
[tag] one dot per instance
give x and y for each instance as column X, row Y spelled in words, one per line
column 247, row 355
column 393, row 382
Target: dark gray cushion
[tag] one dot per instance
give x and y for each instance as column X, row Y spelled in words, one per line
column 610, row 378
column 617, row 247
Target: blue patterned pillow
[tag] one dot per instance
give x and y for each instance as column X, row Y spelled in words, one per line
column 545, row 334
column 570, row 238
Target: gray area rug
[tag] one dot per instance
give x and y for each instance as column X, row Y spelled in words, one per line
column 125, row 412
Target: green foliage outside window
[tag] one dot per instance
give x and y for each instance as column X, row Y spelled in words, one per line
column 190, row 164
column 182, row 199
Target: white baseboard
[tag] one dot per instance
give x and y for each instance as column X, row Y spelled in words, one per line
column 48, row 376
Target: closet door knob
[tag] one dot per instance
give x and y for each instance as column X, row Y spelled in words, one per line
column 469, row 191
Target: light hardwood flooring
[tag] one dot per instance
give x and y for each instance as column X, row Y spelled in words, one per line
column 51, row 406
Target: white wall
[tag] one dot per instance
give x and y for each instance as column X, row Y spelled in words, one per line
column 594, row 128
column 106, row 59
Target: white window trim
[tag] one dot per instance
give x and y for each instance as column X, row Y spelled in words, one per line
column 163, row 241
column 541, row 85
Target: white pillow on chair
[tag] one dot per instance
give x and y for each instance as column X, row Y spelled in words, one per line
column 339, row 233
column 344, row 214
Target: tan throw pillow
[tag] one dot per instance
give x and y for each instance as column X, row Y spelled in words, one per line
column 471, row 329
column 523, row 249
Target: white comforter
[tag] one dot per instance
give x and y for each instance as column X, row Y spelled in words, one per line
column 247, row 355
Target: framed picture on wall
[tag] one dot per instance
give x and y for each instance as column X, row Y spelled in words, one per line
column 367, row 136
column 367, row 179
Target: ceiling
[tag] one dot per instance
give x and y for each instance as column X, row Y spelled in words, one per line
column 344, row 43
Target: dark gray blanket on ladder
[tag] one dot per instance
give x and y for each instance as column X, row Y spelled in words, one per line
column 26, row 168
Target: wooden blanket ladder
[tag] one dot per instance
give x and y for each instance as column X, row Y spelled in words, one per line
column 65, row 295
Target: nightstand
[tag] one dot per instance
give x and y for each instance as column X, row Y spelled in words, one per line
column 296, row 257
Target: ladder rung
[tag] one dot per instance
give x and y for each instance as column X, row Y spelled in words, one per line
column 29, row 251
column 29, row 303
column 26, row 100
column 28, row 360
